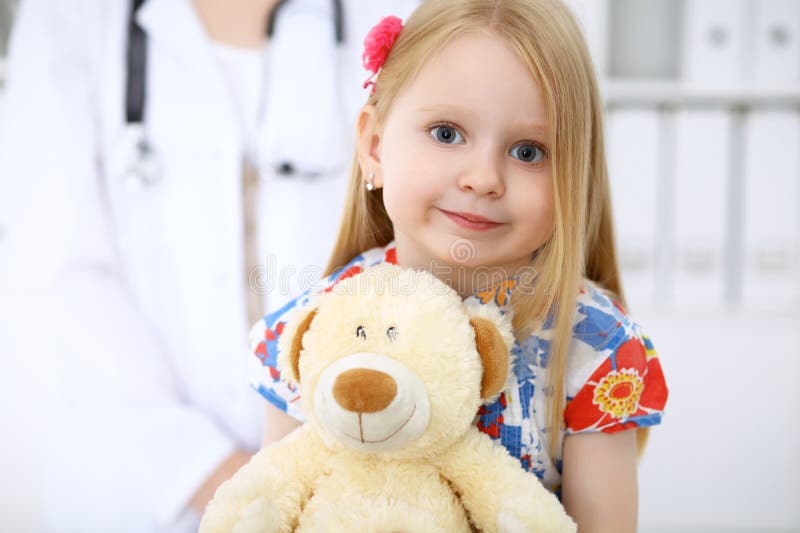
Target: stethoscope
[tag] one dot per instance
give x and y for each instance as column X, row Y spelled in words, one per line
column 143, row 166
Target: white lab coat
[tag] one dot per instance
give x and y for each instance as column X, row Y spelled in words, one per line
column 128, row 305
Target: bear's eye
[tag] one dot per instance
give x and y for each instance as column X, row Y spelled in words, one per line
column 361, row 332
column 391, row 333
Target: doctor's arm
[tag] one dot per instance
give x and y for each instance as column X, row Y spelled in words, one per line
column 123, row 436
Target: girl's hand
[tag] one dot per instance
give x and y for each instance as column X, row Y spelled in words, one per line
column 599, row 484
column 269, row 492
column 224, row 471
column 278, row 425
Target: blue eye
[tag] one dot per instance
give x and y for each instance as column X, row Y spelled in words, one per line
column 446, row 134
column 527, row 153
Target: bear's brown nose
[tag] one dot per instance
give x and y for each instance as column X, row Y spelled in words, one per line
column 363, row 390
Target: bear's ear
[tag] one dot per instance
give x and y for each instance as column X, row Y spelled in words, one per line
column 494, row 356
column 493, row 339
column 291, row 342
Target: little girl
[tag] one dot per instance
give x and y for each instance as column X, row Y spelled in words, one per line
column 480, row 157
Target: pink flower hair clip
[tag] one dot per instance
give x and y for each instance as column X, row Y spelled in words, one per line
column 377, row 45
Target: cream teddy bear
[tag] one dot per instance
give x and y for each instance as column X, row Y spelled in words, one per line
column 393, row 368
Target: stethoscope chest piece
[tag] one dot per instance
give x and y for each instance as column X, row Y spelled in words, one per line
column 135, row 159
column 139, row 164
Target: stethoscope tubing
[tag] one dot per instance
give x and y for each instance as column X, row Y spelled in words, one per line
column 136, row 91
column 136, row 65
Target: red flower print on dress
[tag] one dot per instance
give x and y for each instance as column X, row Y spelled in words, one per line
column 390, row 256
column 349, row 273
column 490, row 417
column 627, row 388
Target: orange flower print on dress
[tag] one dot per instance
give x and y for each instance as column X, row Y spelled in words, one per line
column 498, row 293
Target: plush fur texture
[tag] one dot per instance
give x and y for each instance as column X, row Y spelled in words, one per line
column 393, row 368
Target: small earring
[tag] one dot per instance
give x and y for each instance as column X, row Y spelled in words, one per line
column 370, row 186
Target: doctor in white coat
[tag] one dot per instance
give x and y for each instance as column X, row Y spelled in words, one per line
column 126, row 291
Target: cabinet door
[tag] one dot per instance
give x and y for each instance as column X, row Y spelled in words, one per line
column 701, row 208
column 777, row 41
column 714, row 41
column 633, row 144
column 771, row 210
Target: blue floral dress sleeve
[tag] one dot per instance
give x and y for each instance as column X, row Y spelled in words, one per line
column 264, row 375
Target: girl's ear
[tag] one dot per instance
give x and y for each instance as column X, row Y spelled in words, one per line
column 368, row 144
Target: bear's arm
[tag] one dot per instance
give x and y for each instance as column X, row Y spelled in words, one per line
column 496, row 492
column 268, row 493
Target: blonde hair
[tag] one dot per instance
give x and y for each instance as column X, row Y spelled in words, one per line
column 548, row 39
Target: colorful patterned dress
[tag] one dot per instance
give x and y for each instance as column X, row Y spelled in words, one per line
column 614, row 380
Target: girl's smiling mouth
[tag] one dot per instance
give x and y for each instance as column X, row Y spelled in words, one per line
column 471, row 221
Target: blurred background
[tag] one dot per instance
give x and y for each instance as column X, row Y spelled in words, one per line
column 703, row 139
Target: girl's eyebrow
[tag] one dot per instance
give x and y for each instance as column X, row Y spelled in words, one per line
column 448, row 108
column 533, row 127
column 536, row 129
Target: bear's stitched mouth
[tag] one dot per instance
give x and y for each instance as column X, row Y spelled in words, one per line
column 392, row 434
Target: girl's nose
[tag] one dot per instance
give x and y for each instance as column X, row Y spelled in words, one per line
column 483, row 177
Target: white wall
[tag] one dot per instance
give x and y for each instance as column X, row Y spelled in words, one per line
column 725, row 458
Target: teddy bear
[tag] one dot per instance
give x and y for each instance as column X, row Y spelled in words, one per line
column 393, row 368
